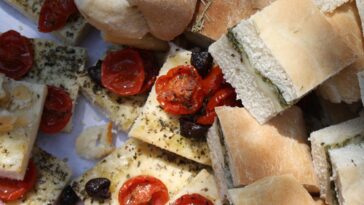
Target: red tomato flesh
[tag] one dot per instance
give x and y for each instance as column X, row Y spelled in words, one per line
column 55, row 13
column 143, row 190
column 213, row 81
column 11, row 190
column 224, row 96
column 193, row 199
column 57, row 110
column 122, row 72
column 179, row 92
column 16, row 54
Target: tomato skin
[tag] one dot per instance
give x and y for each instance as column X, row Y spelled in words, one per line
column 224, row 96
column 57, row 110
column 213, row 81
column 122, row 72
column 16, row 54
column 143, row 190
column 193, row 199
column 55, row 13
column 179, row 92
column 11, row 190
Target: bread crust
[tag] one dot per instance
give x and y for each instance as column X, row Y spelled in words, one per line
column 344, row 86
column 275, row 190
column 275, row 148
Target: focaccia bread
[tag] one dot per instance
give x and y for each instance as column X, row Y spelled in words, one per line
column 203, row 184
column 53, row 175
column 58, row 65
column 280, row 54
column 132, row 159
column 21, row 106
column 72, row 32
column 161, row 129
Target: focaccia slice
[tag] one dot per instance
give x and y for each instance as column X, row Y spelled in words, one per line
column 58, row 65
column 203, row 184
column 161, row 129
column 21, row 106
column 53, row 175
column 71, row 33
column 136, row 158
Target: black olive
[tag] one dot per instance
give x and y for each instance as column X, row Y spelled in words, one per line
column 68, row 197
column 98, row 188
column 192, row 130
column 202, row 61
column 95, row 73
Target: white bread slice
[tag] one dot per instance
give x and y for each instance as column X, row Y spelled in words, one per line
column 95, row 142
column 20, row 118
column 71, row 33
column 274, row 33
column 321, row 140
column 328, row 6
column 361, row 84
column 344, row 86
column 136, row 158
column 275, row 190
column 161, row 129
column 58, row 65
column 53, row 175
column 348, row 166
column 256, row 151
column 203, row 184
column 213, row 17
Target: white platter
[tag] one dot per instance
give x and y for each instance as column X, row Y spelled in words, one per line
column 63, row 145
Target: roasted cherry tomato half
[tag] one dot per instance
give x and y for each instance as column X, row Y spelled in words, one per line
column 122, row 72
column 213, row 81
column 11, row 190
column 143, row 190
column 193, row 199
column 57, row 110
column 16, row 54
column 55, row 13
column 224, row 96
column 179, row 92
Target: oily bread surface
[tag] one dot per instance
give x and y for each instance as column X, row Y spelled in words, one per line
column 275, row 148
column 295, row 31
column 275, row 190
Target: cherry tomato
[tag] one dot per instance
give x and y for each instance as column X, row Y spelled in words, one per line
column 193, row 199
column 180, row 92
column 143, row 190
column 55, row 13
column 16, row 54
column 57, row 110
column 224, row 96
column 11, row 190
column 213, row 81
column 122, row 72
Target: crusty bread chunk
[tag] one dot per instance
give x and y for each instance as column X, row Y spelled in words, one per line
column 279, row 55
column 275, row 190
column 95, row 142
column 21, row 110
column 243, row 151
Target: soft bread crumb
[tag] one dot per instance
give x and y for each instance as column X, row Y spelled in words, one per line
column 95, row 142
